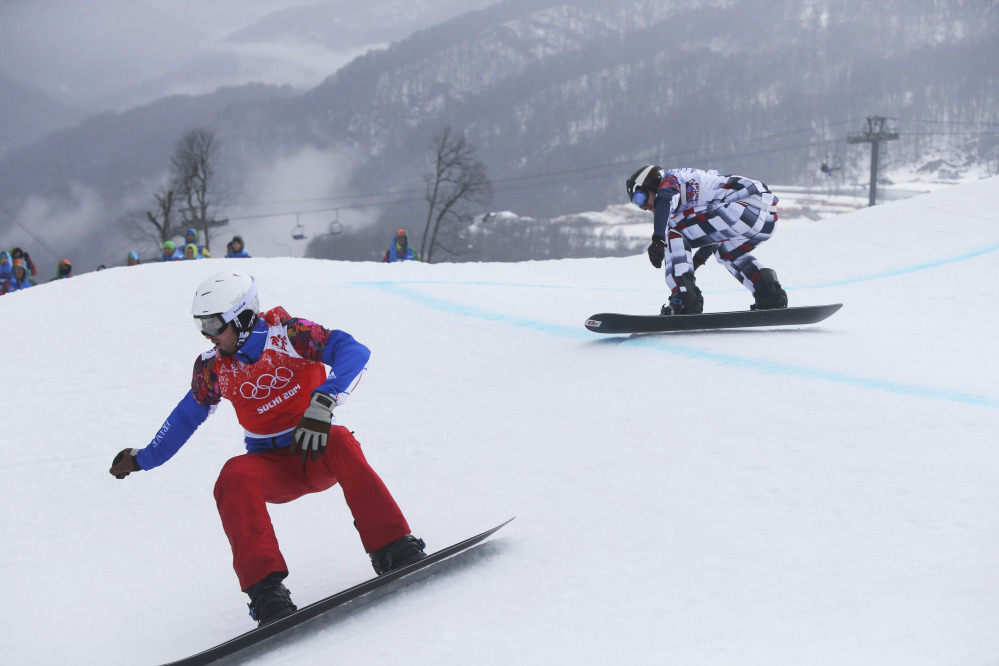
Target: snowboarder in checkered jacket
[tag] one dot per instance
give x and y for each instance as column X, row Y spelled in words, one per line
column 728, row 216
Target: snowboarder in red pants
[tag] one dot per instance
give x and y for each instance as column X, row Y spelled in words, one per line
column 271, row 366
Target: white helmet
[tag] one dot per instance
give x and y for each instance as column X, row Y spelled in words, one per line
column 226, row 297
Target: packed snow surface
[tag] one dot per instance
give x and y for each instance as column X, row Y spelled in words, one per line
column 820, row 495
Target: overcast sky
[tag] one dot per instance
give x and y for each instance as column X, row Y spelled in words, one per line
column 87, row 53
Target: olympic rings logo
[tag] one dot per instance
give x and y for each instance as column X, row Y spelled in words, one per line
column 265, row 384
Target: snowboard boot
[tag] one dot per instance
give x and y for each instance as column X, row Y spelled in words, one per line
column 684, row 302
column 399, row 553
column 270, row 600
column 768, row 293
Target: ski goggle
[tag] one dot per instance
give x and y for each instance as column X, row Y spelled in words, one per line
column 210, row 325
column 213, row 324
column 639, row 198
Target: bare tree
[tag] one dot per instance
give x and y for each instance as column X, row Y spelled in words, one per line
column 192, row 173
column 163, row 218
column 456, row 178
column 188, row 198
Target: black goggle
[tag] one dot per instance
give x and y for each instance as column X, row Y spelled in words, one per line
column 639, row 198
column 210, row 325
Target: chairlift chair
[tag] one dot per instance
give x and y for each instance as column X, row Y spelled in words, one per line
column 335, row 227
column 298, row 231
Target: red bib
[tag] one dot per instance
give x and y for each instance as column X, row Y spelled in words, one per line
column 270, row 395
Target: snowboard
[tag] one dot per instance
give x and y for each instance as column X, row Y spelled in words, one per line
column 313, row 610
column 623, row 323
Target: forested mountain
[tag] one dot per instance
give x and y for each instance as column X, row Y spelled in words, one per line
column 563, row 100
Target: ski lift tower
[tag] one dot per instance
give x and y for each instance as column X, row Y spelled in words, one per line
column 875, row 134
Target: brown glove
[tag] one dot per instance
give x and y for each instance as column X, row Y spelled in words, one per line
column 314, row 428
column 124, row 463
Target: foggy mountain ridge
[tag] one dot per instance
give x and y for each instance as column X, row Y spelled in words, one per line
column 297, row 46
column 563, row 100
column 344, row 23
column 112, row 151
column 28, row 113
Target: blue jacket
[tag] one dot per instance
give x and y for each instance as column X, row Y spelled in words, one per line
column 395, row 253
column 19, row 285
column 242, row 254
column 191, row 232
column 6, row 271
column 342, row 353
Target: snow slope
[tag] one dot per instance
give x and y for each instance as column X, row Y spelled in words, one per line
column 824, row 495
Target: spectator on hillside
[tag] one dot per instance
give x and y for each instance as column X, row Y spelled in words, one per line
column 399, row 250
column 6, row 270
column 64, row 271
column 237, row 249
column 171, row 253
column 18, row 253
column 191, row 251
column 19, row 279
column 191, row 236
column 133, row 258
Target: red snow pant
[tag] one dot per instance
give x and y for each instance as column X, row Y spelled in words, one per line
column 247, row 482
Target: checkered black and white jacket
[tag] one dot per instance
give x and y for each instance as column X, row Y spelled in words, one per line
column 686, row 189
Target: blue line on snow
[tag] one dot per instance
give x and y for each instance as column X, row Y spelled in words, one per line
column 838, row 283
column 659, row 342
column 909, row 269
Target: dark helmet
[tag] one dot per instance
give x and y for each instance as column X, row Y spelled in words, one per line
column 647, row 180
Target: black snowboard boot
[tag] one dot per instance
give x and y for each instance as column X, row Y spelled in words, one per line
column 270, row 600
column 768, row 294
column 399, row 553
column 685, row 302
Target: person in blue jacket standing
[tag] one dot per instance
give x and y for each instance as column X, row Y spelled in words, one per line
column 191, row 236
column 20, row 279
column 18, row 253
column 191, row 252
column 171, row 252
column 237, row 249
column 6, row 270
column 399, row 250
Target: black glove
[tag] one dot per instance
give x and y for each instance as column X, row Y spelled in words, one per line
column 125, row 463
column 701, row 256
column 657, row 251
